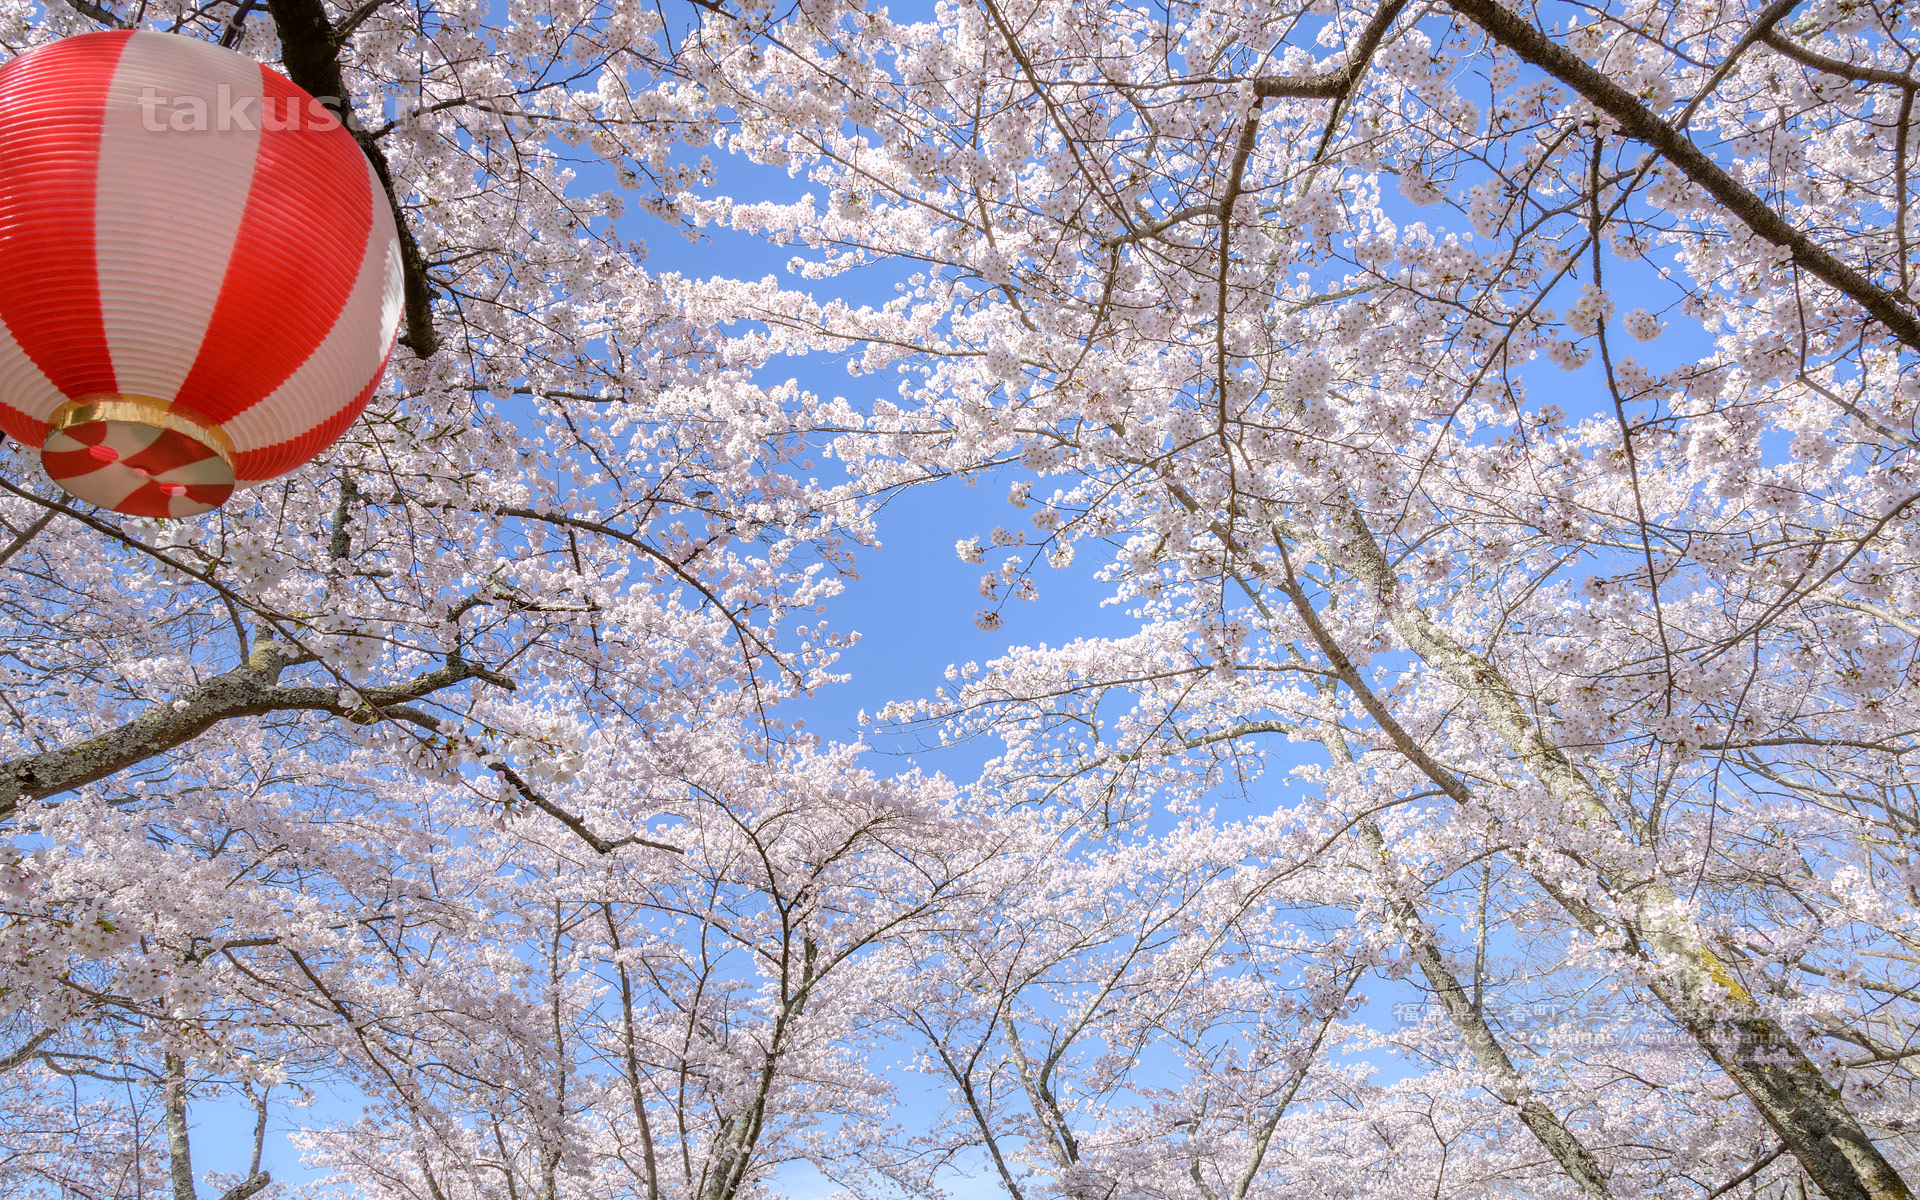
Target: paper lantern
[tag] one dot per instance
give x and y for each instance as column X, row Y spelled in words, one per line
column 199, row 274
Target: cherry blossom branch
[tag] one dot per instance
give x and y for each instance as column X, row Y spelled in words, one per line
column 1573, row 1155
column 631, row 1057
column 1763, row 25
column 1746, row 1041
column 26, row 1052
column 1044, row 94
column 1859, row 414
column 750, row 639
column 1858, row 72
column 248, row 1186
column 970, row 1093
column 1263, row 1138
column 1638, row 122
column 26, row 535
column 233, row 600
column 1763, row 1061
column 1758, row 1165
column 1236, row 180
column 250, row 689
column 600, row 845
column 1335, row 84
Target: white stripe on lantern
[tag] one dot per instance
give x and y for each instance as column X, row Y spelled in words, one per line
column 24, row 387
column 161, row 261
column 349, row 356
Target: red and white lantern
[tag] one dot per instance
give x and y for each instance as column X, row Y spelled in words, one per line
column 199, row 273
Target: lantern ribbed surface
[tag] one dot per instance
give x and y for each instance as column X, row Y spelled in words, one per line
column 199, row 274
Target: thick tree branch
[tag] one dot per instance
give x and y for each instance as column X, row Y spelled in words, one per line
column 26, row 535
column 248, row 690
column 26, row 1052
column 1860, row 73
column 179, row 1144
column 89, row 9
column 340, row 544
column 1749, row 1044
column 1519, row 35
column 248, row 1186
column 1573, row 1155
column 1333, row 85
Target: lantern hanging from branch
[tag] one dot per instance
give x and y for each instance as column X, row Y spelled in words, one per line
column 199, row 274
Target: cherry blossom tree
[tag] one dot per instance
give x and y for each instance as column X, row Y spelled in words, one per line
column 262, row 771
column 1555, row 682
column 1648, row 652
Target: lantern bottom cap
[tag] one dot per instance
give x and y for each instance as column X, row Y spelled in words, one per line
column 139, row 456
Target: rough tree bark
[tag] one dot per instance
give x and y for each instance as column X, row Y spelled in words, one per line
column 1775, row 1074
column 249, row 690
column 179, row 1146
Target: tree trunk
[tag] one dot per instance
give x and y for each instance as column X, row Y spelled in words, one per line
column 179, row 1148
column 1553, row 1135
column 1808, row 1113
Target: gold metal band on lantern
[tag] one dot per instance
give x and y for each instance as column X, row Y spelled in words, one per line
column 141, row 410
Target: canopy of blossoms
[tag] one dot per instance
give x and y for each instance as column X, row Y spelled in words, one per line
column 1496, row 426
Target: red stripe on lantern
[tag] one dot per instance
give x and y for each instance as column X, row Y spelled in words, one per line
column 268, row 461
column 21, row 427
column 71, row 464
column 147, row 500
column 170, row 450
column 49, row 143
column 305, row 230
